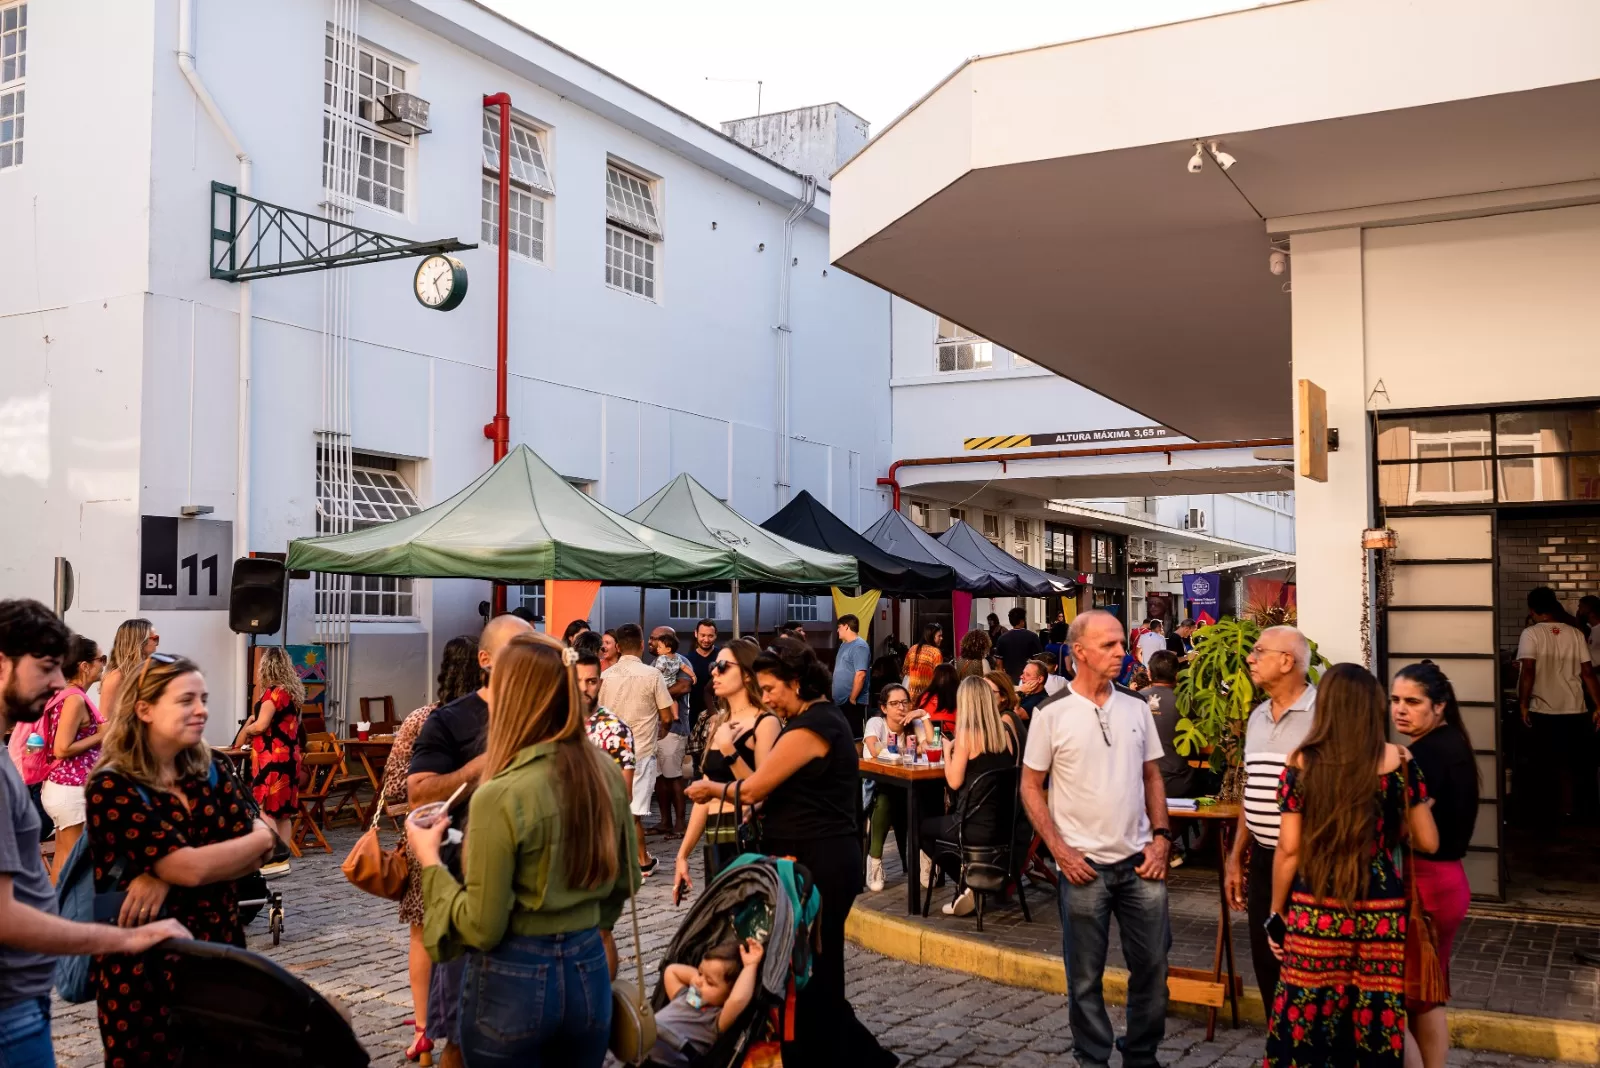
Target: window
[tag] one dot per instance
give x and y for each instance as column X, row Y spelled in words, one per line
column 13, row 72
column 378, row 494
column 530, row 185
column 380, row 158
column 1060, row 555
column 1104, row 557
column 991, row 528
column 691, row 604
column 802, row 608
column 1019, row 531
column 530, row 597
column 958, row 349
column 919, row 514
column 632, row 230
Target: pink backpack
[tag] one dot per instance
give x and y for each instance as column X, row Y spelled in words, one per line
column 33, row 766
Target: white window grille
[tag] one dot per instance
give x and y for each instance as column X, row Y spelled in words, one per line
column 633, row 227
column 531, row 597
column 691, row 604
column 381, row 163
column 919, row 514
column 530, row 185
column 378, row 494
column 13, row 88
column 803, row 608
column 958, row 349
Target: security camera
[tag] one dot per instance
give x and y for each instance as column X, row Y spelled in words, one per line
column 1278, row 261
column 1224, row 160
column 1198, row 160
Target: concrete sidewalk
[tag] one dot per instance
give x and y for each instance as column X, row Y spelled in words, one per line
column 1517, row 987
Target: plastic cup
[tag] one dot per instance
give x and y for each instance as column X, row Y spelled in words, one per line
column 935, row 754
column 426, row 816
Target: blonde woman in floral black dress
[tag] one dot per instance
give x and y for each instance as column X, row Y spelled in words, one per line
column 1339, row 903
column 459, row 674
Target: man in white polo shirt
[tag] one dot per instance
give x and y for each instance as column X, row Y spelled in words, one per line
column 1278, row 665
column 1105, row 822
column 1554, row 671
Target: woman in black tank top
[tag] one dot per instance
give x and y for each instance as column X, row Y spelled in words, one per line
column 739, row 734
column 810, row 783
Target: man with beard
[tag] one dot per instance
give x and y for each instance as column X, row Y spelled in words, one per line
column 32, row 643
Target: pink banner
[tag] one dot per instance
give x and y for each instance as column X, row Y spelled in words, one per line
column 960, row 616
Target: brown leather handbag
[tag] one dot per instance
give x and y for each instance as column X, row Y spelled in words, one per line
column 1425, row 977
column 380, row 872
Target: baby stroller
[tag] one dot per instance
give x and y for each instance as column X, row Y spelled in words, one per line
column 774, row 902
column 254, row 893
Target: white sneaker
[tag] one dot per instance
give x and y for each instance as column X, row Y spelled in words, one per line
column 965, row 905
column 275, row 870
column 874, row 874
column 927, row 869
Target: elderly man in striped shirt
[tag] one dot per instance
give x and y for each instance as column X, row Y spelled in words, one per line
column 1278, row 666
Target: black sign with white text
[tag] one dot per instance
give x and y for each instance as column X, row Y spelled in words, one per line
column 184, row 564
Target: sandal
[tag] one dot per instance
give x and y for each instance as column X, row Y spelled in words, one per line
column 647, row 870
column 420, row 1046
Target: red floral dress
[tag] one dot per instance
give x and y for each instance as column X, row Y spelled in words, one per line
column 1341, row 998
column 139, row 826
column 277, row 756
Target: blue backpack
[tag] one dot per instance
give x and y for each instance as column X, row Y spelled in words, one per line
column 76, row 900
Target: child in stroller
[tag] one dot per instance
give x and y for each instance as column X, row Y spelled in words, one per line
column 705, row 1001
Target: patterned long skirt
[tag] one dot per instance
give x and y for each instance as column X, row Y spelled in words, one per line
column 1341, row 999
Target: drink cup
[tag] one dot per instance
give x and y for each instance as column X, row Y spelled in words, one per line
column 426, row 816
column 936, row 754
column 35, row 743
column 363, row 730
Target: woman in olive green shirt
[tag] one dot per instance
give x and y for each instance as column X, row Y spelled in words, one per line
column 549, row 862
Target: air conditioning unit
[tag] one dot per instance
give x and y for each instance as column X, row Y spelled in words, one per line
column 402, row 114
column 1195, row 520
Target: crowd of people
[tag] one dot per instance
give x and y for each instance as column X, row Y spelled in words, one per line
column 530, row 777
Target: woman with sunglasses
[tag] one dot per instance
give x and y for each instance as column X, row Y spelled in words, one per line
column 171, row 831
column 888, row 807
column 741, row 735
column 135, row 640
column 72, row 730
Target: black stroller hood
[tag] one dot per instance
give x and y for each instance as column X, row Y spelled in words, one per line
column 709, row 922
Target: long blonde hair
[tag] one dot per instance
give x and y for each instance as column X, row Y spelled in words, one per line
column 277, row 672
column 534, row 697
column 979, row 728
column 127, row 648
column 126, row 746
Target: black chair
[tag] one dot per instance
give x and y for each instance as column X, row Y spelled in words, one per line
column 987, row 868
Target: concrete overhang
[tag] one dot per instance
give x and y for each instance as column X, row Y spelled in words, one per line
column 1042, row 199
column 996, row 480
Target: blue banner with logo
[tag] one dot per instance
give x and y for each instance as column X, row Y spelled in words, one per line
column 1203, row 592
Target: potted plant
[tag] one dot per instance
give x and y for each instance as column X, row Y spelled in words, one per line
column 1215, row 698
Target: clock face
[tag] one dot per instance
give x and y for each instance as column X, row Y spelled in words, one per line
column 440, row 283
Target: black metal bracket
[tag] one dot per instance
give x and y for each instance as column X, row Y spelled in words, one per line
column 270, row 241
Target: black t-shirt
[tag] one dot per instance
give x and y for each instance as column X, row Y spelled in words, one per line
column 700, row 691
column 1450, row 773
column 1015, row 648
column 822, row 798
column 452, row 737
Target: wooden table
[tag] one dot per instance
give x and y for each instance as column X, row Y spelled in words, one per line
column 907, row 779
column 1226, row 816
column 373, row 755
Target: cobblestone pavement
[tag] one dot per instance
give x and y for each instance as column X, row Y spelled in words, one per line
column 350, row 947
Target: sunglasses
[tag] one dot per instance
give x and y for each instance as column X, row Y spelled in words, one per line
column 720, row 666
column 156, row 658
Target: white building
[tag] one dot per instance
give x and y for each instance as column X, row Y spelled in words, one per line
column 1397, row 204
column 644, row 300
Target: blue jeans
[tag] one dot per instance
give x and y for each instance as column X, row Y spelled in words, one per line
column 1140, row 906
column 533, row 1001
column 25, row 1035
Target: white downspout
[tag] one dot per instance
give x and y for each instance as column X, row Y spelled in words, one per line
column 808, row 197
column 241, row 519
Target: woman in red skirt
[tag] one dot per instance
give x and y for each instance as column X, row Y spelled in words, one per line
column 276, row 741
column 1423, row 705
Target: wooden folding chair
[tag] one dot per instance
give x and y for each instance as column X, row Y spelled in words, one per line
column 385, row 724
column 346, row 783
column 324, row 766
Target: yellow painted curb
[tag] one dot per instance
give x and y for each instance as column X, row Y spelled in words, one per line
column 1474, row 1029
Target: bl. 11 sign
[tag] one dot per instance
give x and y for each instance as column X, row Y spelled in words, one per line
column 184, row 564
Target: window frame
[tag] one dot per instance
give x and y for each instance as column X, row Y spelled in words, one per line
column 368, row 134
column 13, row 90
column 381, row 484
column 979, row 344
column 528, row 188
column 529, row 595
column 1503, row 448
column 801, row 608
column 684, row 603
column 625, row 225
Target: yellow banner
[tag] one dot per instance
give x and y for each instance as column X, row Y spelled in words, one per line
column 862, row 608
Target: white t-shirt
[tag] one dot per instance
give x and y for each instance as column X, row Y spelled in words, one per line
column 1558, row 652
column 1096, row 790
column 1150, row 643
column 1054, row 684
column 878, row 727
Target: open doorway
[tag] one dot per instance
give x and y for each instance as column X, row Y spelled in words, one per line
column 1552, row 789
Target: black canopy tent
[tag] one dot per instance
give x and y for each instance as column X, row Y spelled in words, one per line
column 967, row 543
column 896, row 534
column 806, row 521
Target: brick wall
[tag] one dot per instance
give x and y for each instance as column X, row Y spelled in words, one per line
column 1563, row 554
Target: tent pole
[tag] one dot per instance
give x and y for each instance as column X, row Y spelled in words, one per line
column 641, row 610
column 758, row 617
column 736, row 608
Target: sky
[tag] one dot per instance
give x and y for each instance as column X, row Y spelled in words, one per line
column 876, row 57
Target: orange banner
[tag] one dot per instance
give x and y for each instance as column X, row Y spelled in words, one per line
column 566, row 600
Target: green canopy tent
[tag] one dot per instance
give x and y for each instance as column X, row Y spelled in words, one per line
column 764, row 561
column 520, row 521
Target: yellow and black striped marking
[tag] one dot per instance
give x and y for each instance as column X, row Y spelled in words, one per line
column 1002, row 441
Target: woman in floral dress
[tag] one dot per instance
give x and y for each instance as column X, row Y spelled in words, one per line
column 459, row 675
column 1339, row 904
column 276, row 740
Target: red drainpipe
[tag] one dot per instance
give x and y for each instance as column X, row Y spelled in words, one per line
column 1061, row 454
column 499, row 430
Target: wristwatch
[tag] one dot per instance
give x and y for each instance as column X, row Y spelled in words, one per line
column 1163, row 832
